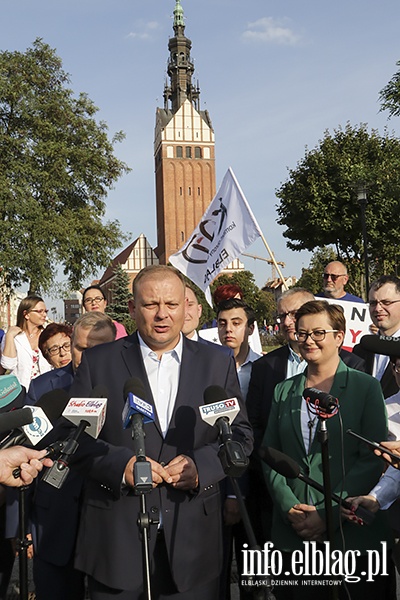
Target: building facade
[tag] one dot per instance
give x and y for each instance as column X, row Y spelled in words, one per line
column 183, row 149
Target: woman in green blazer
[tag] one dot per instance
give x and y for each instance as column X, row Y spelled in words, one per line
column 299, row 513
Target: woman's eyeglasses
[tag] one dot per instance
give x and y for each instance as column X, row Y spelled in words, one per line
column 317, row 335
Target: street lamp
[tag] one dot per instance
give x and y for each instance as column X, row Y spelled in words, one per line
column 362, row 200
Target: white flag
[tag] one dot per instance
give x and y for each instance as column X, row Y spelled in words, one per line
column 226, row 229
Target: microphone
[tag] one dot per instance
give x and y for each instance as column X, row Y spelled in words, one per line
column 136, row 412
column 320, row 403
column 381, row 344
column 15, row 418
column 219, row 411
column 45, row 412
column 86, row 413
column 289, row 468
column 10, row 389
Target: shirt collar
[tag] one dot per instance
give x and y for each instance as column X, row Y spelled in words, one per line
column 293, row 356
column 175, row 352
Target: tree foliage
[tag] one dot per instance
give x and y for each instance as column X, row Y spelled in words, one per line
column 319, row 206
column 56, row 167
column 389, row 96
column 118, row 309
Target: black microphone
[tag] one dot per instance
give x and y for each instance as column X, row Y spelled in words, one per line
column 289, row 468
column 381, row 344
column 86, row 413
column 214, row 394
column 137, row 412
column 15, row 418
column 45, row 413
column 219, row 411
column 320, row 403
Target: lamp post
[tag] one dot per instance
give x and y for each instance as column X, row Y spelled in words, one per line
column 362, row 200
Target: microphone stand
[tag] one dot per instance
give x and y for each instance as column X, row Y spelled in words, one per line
column 323, row 438
column 23, row 544
column 234, row 463
column 143, row 485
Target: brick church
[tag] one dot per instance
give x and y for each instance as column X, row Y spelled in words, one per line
column 184, row 163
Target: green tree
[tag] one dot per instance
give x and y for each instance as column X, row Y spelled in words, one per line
column 389, row 96
column 56, row 167
column 319, row 206
column 118, row 309
column 262, row 303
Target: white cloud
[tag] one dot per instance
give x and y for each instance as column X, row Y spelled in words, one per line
column 144, row 31
column 270, row 30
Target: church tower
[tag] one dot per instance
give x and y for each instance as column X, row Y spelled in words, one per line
column 183, row 149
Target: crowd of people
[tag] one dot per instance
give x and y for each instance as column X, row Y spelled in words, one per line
column 86, row 534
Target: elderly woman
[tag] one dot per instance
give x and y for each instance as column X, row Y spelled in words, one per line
column 20, row 346
column 95, row 300
column 55, row 344
column 299, row 511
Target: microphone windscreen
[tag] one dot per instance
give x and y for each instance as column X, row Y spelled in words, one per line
column 214, row 393
column 320, row 398
column 53, row 404
column 389, row 346
column 134, row 386
column 10, row 389
column 15, row 418
column 280, row 462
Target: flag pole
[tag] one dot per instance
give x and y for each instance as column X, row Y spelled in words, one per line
column 284, row 284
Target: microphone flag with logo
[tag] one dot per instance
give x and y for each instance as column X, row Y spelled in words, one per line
column 226, row 229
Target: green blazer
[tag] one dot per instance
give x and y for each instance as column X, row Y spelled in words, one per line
column 362, row 409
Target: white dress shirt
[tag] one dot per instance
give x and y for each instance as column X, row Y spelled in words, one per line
column 163, row 376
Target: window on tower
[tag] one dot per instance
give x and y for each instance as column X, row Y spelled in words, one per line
column 197, row 152
column 188, row 152
column 179, row 153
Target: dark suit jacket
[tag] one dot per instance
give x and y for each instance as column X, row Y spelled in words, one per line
column 59, row 379
column 388, row 382
column 267, row 371
column 108, row 546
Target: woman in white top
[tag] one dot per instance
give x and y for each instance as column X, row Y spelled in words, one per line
column 20, row 345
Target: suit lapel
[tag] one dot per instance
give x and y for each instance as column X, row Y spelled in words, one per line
column 296, row 393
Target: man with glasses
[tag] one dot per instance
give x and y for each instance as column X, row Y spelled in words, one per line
column 335, row 278
column 267, row 372
column 384, row 309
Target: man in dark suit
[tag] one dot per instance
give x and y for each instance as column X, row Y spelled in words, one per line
column 186, row 549
column 384, row 309
column 267, row 372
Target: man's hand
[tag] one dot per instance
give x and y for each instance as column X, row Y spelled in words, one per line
column 311, row 527
column 231, row 511
column 393, row 447
column 27, row 459
column 158, row 473
column 183, row 473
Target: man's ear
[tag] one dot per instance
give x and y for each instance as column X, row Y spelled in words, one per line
column 251, row 329
column 131, row 306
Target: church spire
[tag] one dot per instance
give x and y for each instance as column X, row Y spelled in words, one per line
column 180, row 68
column 178, row 18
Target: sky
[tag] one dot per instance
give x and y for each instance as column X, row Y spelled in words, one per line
column 274, row 75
